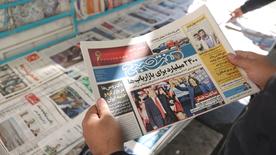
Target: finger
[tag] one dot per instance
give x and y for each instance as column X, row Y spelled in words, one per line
column 247, row 55
column 233, row 15
column 231, row 19
column 240, row 61
column 102, row 107
column 91, row 115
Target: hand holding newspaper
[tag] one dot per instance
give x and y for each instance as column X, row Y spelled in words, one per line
column 172, row 74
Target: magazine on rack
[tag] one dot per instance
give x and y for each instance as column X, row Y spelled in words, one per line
column 174, row 73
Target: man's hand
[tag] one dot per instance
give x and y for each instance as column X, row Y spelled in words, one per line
column 236, row 14
column 101, row 131
column 257, row 67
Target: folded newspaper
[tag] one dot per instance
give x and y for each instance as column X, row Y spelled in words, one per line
column 172, row 74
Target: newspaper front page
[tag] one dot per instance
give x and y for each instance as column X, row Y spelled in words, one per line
column 174, row 73
column 27, row 73
column 45, row 120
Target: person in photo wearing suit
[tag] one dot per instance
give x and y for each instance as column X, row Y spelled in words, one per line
column 155, row 110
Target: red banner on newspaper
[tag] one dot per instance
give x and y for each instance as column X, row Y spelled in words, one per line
column 206, row 95
column 110, row 56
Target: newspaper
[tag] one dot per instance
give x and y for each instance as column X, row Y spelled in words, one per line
column 27, row 73
column 138, row 20
column 154, row 142
column 45, row 120
column 174, row 73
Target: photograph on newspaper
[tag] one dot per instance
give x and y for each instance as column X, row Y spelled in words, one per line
column 68, row 57
column 81, row 78
column 10, row 82
column 164, row 75
column 176, row 99
column 174, row 41
column 11, row 134
column 202, row 36
column 70, row 101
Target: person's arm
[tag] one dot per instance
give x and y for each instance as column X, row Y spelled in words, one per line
column 248, row 6
column 254, row 4
column 254, row 131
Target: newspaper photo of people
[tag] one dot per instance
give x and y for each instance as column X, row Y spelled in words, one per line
column 202, row 36
column 68, row 57
column 176, row 99
column 10, row 82
column 71, row 103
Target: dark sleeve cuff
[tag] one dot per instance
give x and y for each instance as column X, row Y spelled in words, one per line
column 244, row 9
column 120, row 153
column 254, row 4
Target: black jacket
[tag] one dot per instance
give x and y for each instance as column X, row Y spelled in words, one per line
column 255, row 132
column 254, row 4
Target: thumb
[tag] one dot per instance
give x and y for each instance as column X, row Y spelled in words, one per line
column 240, row 61
column 91, row 117
column 102, row 107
